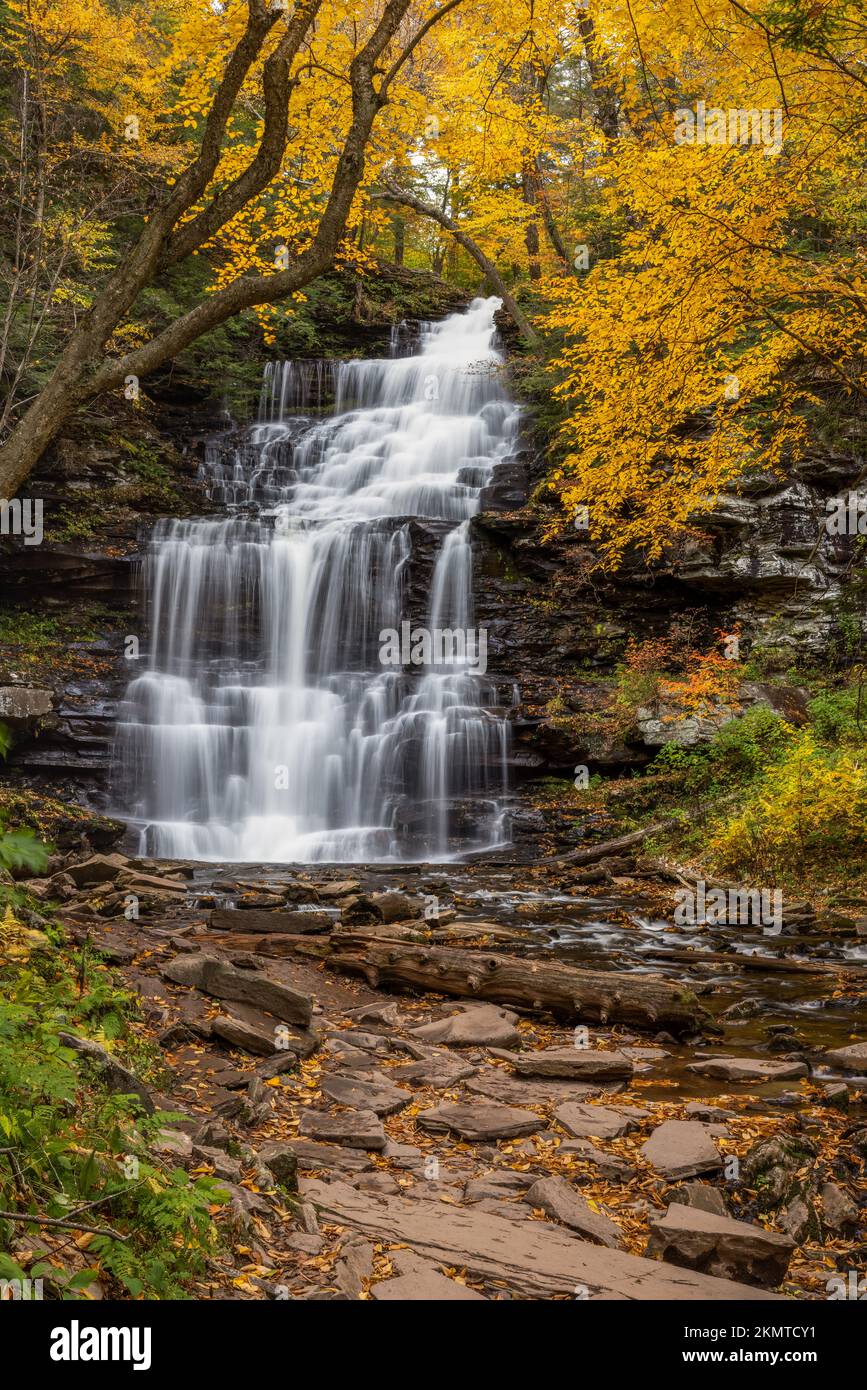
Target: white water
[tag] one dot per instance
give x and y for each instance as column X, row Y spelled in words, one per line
column 265, row 727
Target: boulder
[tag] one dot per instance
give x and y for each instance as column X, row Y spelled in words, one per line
column 681, row 1148
column 281, row 1159
column 838, row 1209
column 499, row 1182
column 218, row 977
column 478, row 1025
column 383, row 907
column 495, row 1084
column 312, row 1156
column 100, row 868
column 701, row 1196
column 719, row 1245
column 354, row 1267
column 611, row 1167
column 260, row 1040
column 851, row 1058
column 439, row 1072
column 772, row 1166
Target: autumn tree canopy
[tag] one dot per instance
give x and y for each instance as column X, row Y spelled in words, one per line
column 669, row 196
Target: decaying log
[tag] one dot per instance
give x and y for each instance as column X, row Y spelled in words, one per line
column 275, row 944
column 590, row 853
column 595, row 996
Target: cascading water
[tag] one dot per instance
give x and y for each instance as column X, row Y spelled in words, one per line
column 266, row 727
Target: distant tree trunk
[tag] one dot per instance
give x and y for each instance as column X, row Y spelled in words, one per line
column 399, row 231
column 548, row 220
column 606, row 100
column 531, row 231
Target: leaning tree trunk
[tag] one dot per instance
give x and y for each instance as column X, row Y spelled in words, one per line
column 399, row 195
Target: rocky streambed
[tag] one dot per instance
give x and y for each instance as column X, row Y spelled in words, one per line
column 459, row 1081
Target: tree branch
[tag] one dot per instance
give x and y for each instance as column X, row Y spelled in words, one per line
column 399, row 195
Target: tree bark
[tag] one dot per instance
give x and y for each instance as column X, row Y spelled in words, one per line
column 593, row 995
column 400, row 195
column 82, row 371
column 601, row 851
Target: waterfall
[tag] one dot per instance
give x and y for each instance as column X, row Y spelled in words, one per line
column 269, row 725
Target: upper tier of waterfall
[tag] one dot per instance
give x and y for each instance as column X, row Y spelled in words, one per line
column 272, row 722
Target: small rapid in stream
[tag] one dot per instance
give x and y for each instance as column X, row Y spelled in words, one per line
column 265, row 727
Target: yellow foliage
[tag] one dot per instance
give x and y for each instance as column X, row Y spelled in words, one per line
column 808, row 810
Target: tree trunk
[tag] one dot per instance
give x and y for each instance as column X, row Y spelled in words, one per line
column 596, row 996
column 531, row 232
column 399, row 229
column 601, row 851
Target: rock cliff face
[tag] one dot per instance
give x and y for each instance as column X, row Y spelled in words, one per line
column 766, row 565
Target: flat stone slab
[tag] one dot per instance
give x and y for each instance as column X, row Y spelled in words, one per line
column 357, row 1129
column 261, row 1041
column 499, row 1182
column 851, row 1058
column 698, row 1239
column 496, row 1084
column 438, row 1072
column 312, row 1155
column 376, row 1095
column 480, row 1025
column 747, row 1069
column 218, row 977
column 592, row 1121
column 682, row 1148
column 425, row 1286
column 480, row 1122
column 559, row 1199
column 531, row 1257
column 356, row 1037
column 580, row 1063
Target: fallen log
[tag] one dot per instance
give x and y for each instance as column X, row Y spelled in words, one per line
column 237, row 919
column 591, row 853
column 741, row 961
column 276, row 944
column 642, row 1001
